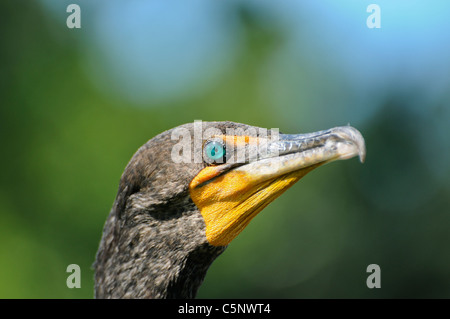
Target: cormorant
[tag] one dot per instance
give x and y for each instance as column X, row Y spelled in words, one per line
column 179, row 205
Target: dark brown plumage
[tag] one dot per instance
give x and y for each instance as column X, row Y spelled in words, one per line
column 155, row 241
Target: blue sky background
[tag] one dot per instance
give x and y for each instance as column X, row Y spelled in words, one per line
column 167, row 50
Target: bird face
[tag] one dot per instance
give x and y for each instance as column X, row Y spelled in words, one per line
column 229, row 192
column 230, row 171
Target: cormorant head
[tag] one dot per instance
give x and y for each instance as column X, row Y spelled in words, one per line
column 188, row 192
column 230, row 171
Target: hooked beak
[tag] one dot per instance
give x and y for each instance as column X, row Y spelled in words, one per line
column 293, row 152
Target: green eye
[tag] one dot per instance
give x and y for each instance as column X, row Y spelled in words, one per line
column 215, row 151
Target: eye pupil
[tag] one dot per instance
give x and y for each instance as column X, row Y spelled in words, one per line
column 215, row 151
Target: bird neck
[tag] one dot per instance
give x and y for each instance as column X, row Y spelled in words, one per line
column 146, row 256
column 187, row 279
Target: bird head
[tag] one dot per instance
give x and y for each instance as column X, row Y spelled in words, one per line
column 200, row 184
column 230, row 171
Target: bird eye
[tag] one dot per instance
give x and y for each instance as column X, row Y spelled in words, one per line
column 214, row 152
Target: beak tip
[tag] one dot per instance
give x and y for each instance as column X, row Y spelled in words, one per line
column 362, row 157
column 360, row 143
column 361, row 148
column 355, row 137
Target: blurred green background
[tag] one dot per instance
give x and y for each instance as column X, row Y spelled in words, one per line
column 75, row 104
